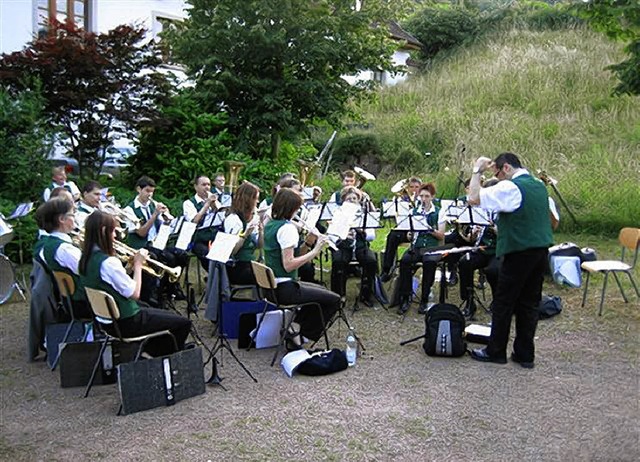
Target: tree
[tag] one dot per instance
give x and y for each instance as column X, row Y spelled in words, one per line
column 96, row 87
column 620, row 20
column 276, row 66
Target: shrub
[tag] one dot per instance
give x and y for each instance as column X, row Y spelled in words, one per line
column 357, row 149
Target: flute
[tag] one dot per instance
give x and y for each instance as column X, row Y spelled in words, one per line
column 313, row 230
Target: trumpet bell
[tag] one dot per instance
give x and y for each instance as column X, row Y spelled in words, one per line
column 400, row 186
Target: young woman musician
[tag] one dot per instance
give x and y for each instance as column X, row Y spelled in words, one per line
column 357, row 243
column 421, row 242
column 280, row 241
column 242, row 220
column 56, row 250
column 101, row 269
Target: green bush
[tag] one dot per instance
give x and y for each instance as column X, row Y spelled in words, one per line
column 23, row 134
column 538, row 15
column 354, row 148
column 441, row 28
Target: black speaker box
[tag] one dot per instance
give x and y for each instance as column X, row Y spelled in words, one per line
column 77, row 360
column 151, row 383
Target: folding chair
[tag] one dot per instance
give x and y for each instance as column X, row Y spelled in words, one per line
column 267, row 285
column 629, row 239
column 66, row 287
column 106, row 312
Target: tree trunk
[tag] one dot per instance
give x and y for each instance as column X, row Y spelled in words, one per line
column 275, row 146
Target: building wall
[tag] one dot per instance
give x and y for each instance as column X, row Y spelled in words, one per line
column 399, row 58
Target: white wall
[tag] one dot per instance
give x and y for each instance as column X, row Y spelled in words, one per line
column 399, row 58
column 18, row 17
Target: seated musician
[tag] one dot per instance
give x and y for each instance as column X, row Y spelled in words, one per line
column 196, row 209
column 56, row 251
column 348, row 179
column 241, row 221
column 280, row 241
column 422, row 241
column 101, row 269
column 458, row 237
column 59, row 179
column 56, row 192
column 89, row 203
column 397, row 237
column 266, row 202
column 356, row 246
column 218, row 184
column 148, row 211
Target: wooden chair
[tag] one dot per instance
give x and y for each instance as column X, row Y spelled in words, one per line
column 66, row 288
column 267, row 284
column 106, row 312
column 629, row 240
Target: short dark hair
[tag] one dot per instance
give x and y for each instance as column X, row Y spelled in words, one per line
column 507, row 158
column 197, row 179
column 90, row 186
column 289, row 183
column 348, row 174
column 429, row 187
column 145, row 181
column 55, row 192
column 285, row 204
column 48, row 214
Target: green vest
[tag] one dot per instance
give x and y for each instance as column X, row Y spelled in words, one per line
column 248, row 250
column 133, row 240
column 426, row 239
column 273, row 251
column 206, row 234
column 529, row 226
column 92, row 279
column 49, row 247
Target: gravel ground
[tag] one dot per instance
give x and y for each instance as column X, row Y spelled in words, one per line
column 581, row 402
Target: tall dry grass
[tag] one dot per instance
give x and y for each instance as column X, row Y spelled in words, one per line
column 543, row 95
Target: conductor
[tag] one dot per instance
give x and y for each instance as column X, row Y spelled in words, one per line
column 524, row 236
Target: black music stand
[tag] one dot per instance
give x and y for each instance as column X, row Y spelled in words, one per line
column 222, row 342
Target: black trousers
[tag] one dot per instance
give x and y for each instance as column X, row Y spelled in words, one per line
column 410, row 258
column 456, row 239
column 296, row 292
column 149, row 320
column 340, row 261
column 307, row 272
column 474, row 261
column 241, row 273
column 394, row 239
column 518, row 293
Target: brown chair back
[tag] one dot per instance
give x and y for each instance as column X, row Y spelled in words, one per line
column 65, row 283
column 102, row 304
column 264, row 276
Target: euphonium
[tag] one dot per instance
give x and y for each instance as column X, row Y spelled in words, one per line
column 363, row 176
column 305, row 170
column 233, row 173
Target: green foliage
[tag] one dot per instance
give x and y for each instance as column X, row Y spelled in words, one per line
column 542, row 95
column 619, row 20
column 354, row 149
column 533, row 15
column 440, row 28
column 23, row 131
column 277, row 66
column 96, row 87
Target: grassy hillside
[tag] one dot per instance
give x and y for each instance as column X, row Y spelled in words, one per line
column 542, row 95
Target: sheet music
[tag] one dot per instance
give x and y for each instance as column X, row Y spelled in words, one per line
column 269, row 333
column 417, row 222
column 475, row 215
column 212, row 219
column 186, row 234
column 372, row 220
column 328, row 210
column 342, row 220
column 21, row 210
column 222, row 247
column 104, row 194
column 307, row 193
column 176, row 223
column 403, row 208
column 314, row 215
column 225, row 201
column 161, row 239
column 291, row 361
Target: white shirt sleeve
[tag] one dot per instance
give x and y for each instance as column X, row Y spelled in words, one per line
column 502, row 197
column 189, row 210
column 288, row 236
column 74, row 189
column 233, row 224
column 131, row 226
column 68, row 256
column 46, row 194
column 113, row 273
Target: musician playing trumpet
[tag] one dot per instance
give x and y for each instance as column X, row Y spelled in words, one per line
column 100, row 269
column 280, row 242
column 148, row 211
column 243, row 221
column 195, row 209
column 356, row 246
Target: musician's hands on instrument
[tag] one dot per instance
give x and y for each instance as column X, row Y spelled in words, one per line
column 482, row 164
column 321, row 241
column 140, row 257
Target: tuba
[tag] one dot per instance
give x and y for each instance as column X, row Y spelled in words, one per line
column 306, row 169
column 233, row 173
column 363, row 176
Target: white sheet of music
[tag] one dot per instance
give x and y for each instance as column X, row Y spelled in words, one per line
column 21, row 210
column 478, row 215
column 186, row 234
column 222, row 247
column 342, row 220
column 160, row 241
column 313, row 216
column 417, row 222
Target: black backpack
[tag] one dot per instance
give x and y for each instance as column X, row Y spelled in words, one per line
column 444, row 331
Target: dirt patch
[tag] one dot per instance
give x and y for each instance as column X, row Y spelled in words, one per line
column 580, row 402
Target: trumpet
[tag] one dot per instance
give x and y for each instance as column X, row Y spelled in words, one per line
column 166, row 216
column 313, row 230
column 122, row 215
column 151, row 266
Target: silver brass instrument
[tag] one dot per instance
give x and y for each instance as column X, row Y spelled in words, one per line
column 166, row 216
column 122, row 215
column 305, row 170
column 402, row 187
column 363, row 176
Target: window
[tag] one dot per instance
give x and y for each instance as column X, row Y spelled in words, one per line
column 76, row 11
column 163, row 22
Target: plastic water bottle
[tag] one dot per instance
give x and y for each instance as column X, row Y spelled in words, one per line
column 352, row 347
column 432, row 300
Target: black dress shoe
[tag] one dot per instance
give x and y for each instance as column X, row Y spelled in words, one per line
column 525, row 364
column 385, row 277
column 424, row 307
column 367, row 300
column 480, row 354
column 404, row 307
column 453, row 279
column 469, row 310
